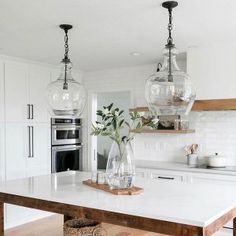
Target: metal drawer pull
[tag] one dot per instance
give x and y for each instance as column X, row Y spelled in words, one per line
column 28, row 111
column 168, row 178
column 32, row 140
column 29, row 147
column 32, row 111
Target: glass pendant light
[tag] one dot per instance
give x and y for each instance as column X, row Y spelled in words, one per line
column 65, row 95
column 169, row 91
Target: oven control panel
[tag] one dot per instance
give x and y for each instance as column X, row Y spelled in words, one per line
column 62, row 121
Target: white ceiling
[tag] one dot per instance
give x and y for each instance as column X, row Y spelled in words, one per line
column 106, row 31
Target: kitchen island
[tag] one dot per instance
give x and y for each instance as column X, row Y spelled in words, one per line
column 182, row 209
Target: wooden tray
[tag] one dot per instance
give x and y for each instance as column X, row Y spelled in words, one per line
column 129, row 191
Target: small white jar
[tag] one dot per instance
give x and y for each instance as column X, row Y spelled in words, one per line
column 192, row 160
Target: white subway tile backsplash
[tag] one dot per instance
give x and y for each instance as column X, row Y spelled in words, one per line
column 215, row 132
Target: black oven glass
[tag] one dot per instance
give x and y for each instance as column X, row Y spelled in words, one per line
column 67, row 134
column 67, row 160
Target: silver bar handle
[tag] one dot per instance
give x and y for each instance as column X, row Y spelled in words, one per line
column 32, row 111
column 29, row 139
column 60, row 127
column 32, row 140
column 67, row 149
column 28, row 111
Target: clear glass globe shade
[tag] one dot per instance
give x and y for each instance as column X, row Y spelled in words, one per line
column 66, row 100
column 169, row 94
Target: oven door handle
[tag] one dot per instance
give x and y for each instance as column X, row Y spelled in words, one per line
column 67, row 149
column 66, row 127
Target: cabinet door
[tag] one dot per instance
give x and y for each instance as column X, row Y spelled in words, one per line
column 213, row 179
column 40, row 162
column 39, row 78
column 16, row 150
column 16, row 91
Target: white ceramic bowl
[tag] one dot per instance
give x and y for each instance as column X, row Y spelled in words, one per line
column 216, row 161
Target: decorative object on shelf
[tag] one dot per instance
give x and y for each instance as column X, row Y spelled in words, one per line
column 120, row 170
column 192, row 156
column 169, row 91
column 65, row 95
column 159, row 65
column 167, row 122
column 105, row 187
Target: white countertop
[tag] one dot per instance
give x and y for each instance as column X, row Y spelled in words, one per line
column 194, row 204
column 175, row 166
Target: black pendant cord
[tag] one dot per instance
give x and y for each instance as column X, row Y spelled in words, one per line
column 66, row 38
column 170, row 43
column 65, row 85
column 170, row 5
column 66, row 59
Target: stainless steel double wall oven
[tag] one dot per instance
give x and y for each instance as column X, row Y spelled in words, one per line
column 66, row 147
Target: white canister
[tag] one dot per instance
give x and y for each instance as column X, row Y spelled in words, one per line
column 192, row 160
column 216, row 161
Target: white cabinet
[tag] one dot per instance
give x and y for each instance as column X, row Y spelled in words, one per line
column 19, row 140
column 25, row 142
column 212, row 178
column 40, row 161
column 39, row 78
column 20, row 165
column 16, row 91
column 25, row 92
column 16, row 150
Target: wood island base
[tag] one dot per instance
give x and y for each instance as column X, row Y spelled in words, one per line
column 157, row 226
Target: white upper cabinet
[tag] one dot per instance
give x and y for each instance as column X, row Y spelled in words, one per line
column 212, row 70
column 39, row 78
column 16, row 91
column 25, row 92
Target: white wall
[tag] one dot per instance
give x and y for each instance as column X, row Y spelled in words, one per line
column 215, row 131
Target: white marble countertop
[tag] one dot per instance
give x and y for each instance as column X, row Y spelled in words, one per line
column 175, row 166
column 186, row 203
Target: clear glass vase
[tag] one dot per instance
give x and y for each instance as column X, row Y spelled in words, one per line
column 120, row 169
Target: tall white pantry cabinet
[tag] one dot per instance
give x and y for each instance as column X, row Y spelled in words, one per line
column 24, row 126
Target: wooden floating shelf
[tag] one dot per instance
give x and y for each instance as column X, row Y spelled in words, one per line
column 162, row 131
column 204, row 105
column 214, row 105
